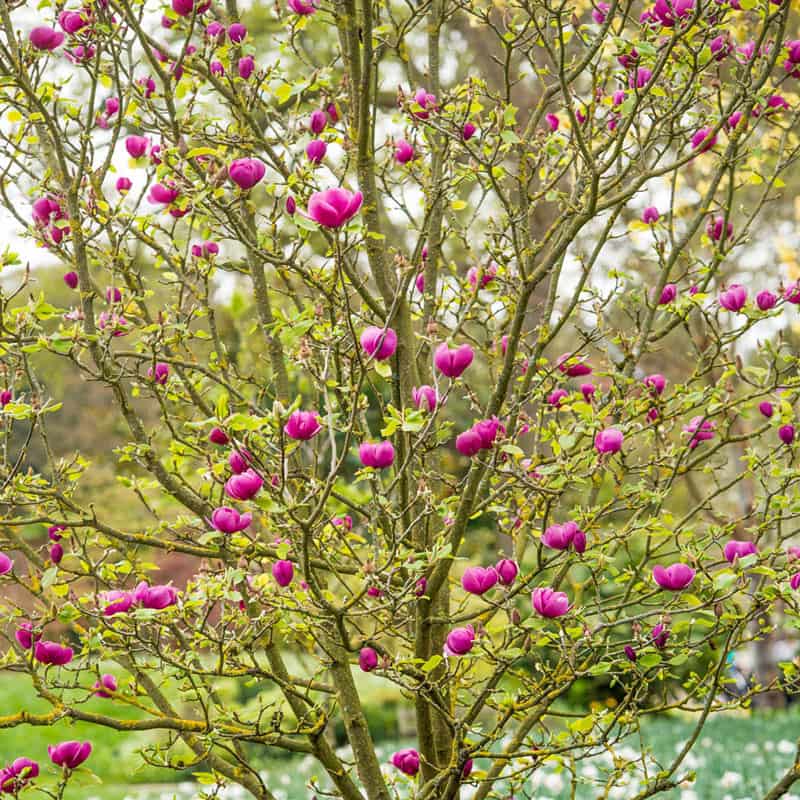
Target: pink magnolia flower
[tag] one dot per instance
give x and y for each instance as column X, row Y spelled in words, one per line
column 549, row 603
column 426, row 103
column 244, row 486
column 608, row 441
column 44, row 38
column 674, row 577
column 650, row 215
column 668, row 294
column 136, row 146
column 302, row 425
column 159, row 373
column 6, row 397
column 469, row 443
column 6, row 564
column 237, row 32
column 246, row 172
column 283, row 572
column 367, row 659
column 218, row 436
column 599, row 12
column 468, row 131
column 660, row 635
column 345, row 522
column 72, row 21
column 379, row 343
column 71, row 279
column 216, row 68
column 792, row 293
column 733, row 298
column 562, row 537
column 459, row 641
column 332, row 208
column 786, row 433
column 701, row 429
column 573, row 366
column 766, row 408
column 52, row 653
column 403, row 151
column 488, row 276
column 557, row 397
column 718, row 230
column 315, row 150
column 794, row 582
column 656, row 383
column 766, row 300
column 56, row 553
column 425, row 397
column 105, row 686
column 303, row 7
column 70, row 755
column 318, row 121
column 479, row 580
column 552, row 122
column 16, row 775
column 117, row 602
column 228, row 520
column 452, row 363
column 704, row 140
column 25, row 635
column 156, row 597
column 735, row 549
column 407, row 761
column 377, row 455
column 507, row 571
column 124, row 184
column 160, row 194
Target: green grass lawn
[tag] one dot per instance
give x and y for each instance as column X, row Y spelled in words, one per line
column 736, row 758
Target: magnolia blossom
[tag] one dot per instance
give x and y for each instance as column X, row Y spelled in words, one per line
column 549, row 603
column 15, row 776
column 302, row 425
column 608, row 441
column 245, row 485
column 52, row 653
column 44, row 38
column 701, row 430
column 246, row 172
column 425, row 397
column 105, row 686
column 403, row 151
column 733, row 298
column 573, row 366
column 737, row 549
column 334, row 207
column 479, row 580
column 228, row 520
column 452, row 363
column 69, row 755
column 377, row 455
column 459, row 641
column 406, row 761
column 283, row 572
column 562, row 537
column 303, row 7
column 379, row 343
column 156, row 597
column 367, row 659
column 766, row 300
column 675, row 577
column 507, row 571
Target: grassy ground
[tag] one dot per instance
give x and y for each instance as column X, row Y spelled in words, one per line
column 736, row 758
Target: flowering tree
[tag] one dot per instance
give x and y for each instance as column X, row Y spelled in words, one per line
column 488, row 416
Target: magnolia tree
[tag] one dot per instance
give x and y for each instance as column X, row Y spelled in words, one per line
column 490, row 417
